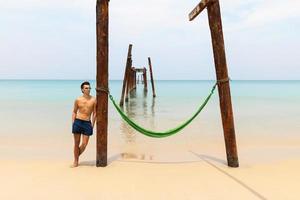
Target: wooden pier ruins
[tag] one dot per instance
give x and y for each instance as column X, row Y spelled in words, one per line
column 131, row 77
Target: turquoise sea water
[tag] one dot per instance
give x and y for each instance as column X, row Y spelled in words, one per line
column 272, row 106
column 49, row 90
column 35, row 119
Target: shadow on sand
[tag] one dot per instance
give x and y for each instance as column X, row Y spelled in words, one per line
column 206, row 159
column 126, row 157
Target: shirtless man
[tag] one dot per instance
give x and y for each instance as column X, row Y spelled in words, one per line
column 83, row 120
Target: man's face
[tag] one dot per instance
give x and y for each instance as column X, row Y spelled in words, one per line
column 86, row 89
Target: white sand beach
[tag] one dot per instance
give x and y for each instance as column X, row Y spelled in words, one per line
column 131, row 180
column 268, row 169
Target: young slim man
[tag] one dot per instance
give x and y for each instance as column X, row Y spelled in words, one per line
column 83, row 118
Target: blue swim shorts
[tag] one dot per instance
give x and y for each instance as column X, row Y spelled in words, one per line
column 82, row 127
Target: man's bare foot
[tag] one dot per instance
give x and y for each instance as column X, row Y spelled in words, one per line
column 75, row 164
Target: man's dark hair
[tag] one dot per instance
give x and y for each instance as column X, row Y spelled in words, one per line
column 84, row 83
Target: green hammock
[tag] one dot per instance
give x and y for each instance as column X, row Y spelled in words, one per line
column 165, row 133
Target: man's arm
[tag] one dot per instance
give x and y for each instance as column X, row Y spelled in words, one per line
column 94, row 114
column 74, row 111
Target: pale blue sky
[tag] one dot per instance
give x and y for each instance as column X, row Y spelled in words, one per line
column 55, row 39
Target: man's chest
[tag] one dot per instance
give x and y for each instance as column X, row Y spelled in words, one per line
column 85, row 104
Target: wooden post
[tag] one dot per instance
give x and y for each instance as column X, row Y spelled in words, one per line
column 215, row 24
column 151, row 76
column 145, row 79
column 102, row 81
column 134, row 79
column 127, row 86
column 130, row 80
column 126, row 74
column 127, row 80
column 133, row 73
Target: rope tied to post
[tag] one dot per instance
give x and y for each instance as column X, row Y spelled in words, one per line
column 224, row 80
column 102, row 89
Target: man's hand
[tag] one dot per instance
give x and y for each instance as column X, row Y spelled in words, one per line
column 74, row 111
column 94, row 114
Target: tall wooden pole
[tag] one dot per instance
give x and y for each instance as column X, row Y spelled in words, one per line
column 215, row 24
column 126, row 74
column 145, row 79
column 151, row 76
column 127, row 81
column 102, row 81
column 134, row 79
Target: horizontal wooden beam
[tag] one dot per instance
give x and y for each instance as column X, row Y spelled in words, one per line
column 198, row 9
column 139, row 69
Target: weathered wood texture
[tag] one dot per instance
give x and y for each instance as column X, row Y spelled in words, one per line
column 215, row 24
column 128, row 80
column 134, row 78
column 127, row 66
column 199, row 8
column 151, row 76
column 145, row 79
column 102, row 81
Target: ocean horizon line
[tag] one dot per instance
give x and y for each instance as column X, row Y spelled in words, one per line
column 149, row 80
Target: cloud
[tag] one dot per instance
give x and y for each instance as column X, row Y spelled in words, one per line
column 23, row 4
column 60, row 36
column 271, row 12
column 256, row 13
